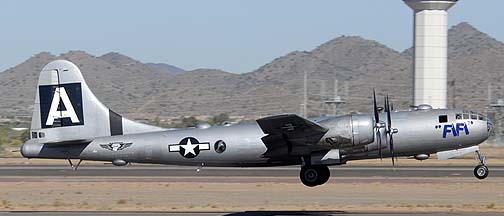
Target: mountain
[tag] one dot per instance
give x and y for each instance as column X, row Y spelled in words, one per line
column 149, row 90
column 475, row 61
column 374, row 65
column 18, row 85
column 169, row 69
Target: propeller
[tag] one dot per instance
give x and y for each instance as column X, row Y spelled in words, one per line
column 390, row 131
column 377, row 124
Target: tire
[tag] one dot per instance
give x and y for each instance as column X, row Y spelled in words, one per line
column 325, row 174
column 310, row 176
column 481, row 171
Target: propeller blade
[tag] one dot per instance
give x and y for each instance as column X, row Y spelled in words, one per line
column 389, row 119
column 377, row 117
column 379, row 143
column 389, row 129
column 392, row 149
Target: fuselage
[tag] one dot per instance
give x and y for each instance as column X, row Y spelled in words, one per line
column 418, row 132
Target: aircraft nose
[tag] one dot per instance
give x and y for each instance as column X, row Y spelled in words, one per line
column 489, row 125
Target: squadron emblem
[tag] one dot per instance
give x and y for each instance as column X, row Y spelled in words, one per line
column 116, row 146
column 189, row 147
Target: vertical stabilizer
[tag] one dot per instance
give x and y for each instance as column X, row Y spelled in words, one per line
column 66, row 111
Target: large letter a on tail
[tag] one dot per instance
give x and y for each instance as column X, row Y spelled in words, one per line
column 61, row 105
column 60, row 95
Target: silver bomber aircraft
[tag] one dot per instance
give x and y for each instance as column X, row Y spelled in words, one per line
column 70, row 123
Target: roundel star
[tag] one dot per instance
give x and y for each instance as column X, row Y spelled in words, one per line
column 189, row 147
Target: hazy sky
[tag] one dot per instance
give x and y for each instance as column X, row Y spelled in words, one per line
column 233, row 35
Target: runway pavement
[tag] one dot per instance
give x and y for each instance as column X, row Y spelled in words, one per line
column 289, row 171
column 370, row 180
column 246, row 213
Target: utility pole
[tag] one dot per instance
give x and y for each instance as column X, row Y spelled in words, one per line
column 322, row 97
column 489, row 92
column 454, row 89
column 305, row 94
column 336, row 101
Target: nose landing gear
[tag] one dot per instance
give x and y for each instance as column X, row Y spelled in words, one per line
column 481, row 171
column 312, row 176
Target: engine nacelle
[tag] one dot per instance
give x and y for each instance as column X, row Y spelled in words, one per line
column 349, row 130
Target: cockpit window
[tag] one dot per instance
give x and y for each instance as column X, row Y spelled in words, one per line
column 474, row 116
column 443, row 118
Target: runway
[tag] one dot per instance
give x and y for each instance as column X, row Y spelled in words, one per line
column 246, row 213
column 289, row 171
column 181, row 190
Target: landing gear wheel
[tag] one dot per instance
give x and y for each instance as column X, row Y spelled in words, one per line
column 481, row 171
column 325, row 174
column 309, row 176
column 312, row 176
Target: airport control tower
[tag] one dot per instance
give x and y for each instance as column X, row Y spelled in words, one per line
column 430, row 51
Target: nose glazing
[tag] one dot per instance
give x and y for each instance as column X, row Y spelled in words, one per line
column 489, row 125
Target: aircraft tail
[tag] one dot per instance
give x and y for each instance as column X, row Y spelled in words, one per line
column 67, row 112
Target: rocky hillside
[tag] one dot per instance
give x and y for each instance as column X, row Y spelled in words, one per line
column 166, row 68
column 148, row 90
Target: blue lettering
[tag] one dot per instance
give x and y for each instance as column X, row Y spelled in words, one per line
column 456, row 129
column 460, row 127
column 448, row 129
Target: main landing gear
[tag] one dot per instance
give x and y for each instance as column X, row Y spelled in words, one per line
column 312, row 176
column 481, row 171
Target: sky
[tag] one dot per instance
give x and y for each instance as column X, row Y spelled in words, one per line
column 232, row 35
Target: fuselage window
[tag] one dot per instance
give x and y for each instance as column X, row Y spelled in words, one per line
column 41, row 134
column 34, row 135
column 443, row 118
column 474, row 116
column 458, row 116
column 466, row 116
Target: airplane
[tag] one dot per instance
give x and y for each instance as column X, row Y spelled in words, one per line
column 70, row 123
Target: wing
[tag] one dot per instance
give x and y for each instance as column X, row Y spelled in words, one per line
column 290, row 134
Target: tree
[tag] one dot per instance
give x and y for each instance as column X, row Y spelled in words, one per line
column 189, row 121
column 219, row 119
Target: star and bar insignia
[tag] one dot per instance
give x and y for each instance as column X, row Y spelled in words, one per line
column 189, row 147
